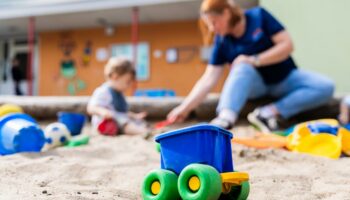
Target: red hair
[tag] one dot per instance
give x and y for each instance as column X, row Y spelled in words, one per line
column 218, row 7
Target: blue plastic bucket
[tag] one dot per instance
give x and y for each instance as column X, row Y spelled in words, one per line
column 155, row 93
column 205, row 144
column 73, row 121
column 20, row 133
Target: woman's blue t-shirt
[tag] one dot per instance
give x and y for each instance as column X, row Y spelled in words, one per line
column 260, row 27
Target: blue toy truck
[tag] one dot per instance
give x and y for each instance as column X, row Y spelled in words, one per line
column 196, row 164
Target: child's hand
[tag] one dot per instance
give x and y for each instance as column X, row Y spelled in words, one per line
column 107, row 114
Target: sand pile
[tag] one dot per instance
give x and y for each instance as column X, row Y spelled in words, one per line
column 113, row 168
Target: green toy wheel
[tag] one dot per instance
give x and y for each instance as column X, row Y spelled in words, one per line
column 240, row 192
column 245, row 188
column 160, row 185
column 199, row 182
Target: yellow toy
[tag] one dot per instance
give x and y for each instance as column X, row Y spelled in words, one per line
column 323, row 137
column 9, row 109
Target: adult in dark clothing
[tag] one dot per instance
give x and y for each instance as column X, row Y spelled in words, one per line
column 17, row 76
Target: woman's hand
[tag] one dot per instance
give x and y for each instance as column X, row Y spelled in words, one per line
column 178, row 114
column 202, row 87
column 243, row 59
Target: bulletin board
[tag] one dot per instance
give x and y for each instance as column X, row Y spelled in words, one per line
column 143, row 57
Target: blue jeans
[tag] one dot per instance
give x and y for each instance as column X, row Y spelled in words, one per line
column 300, row 91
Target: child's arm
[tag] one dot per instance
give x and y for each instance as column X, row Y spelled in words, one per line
column 138, row 116
column 100, row 111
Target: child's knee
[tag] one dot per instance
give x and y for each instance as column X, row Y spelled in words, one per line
column 344, row 116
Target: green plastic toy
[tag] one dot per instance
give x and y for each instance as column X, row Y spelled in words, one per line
column 158, row 147
column 78, row 141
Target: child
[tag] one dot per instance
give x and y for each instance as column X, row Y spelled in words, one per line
column 344, row 116
column 108, row 101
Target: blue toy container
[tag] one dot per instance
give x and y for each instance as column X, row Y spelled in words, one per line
column 20, row 133
column 204, row 144
column 323, row 128
column 73, row 121
column 155, row 93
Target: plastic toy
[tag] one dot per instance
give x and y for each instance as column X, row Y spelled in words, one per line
column 345, row 140
column 158, row 147
column 347, row 126
column 57, row 134
column 262, row 141
column 78, row 140
column 73, row 121
column 155, row 93
column 108, row 127
column 323, row 144
column 9, row 109
column 163, row 124
column 20, row 133
column 321, row 137
column 284, row 133
column 196, row 164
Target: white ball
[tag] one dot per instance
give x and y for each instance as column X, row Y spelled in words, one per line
column 56, row 134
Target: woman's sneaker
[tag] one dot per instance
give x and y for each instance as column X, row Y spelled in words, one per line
column 266, row 125
column 222, row 123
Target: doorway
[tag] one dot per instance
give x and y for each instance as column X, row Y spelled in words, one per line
column 14, row 53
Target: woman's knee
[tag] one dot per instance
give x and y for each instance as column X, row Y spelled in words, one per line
column 243, row 69
column 325, row 88
column 328, row 88
column 321, row 85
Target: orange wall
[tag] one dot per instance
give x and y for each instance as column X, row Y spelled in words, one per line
column 179, row 76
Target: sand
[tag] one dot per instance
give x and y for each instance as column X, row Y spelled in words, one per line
column 113, row 168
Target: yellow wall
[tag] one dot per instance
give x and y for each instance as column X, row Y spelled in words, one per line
column 161, row 36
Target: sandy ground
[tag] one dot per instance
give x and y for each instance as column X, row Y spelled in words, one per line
column 113, row 168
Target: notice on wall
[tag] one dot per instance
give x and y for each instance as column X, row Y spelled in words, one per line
column 102, row 54
column 143, row 57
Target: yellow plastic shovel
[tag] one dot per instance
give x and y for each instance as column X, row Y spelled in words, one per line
column 322, row 144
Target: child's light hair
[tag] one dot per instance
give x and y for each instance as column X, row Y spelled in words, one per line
column 119, row 66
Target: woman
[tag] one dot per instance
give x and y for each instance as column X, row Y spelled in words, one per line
column 258, row 48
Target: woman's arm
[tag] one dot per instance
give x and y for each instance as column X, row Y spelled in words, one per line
column 283, row 47
column 203, row 86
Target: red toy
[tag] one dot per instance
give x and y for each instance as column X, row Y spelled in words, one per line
column 163, row 124
column 108, row 127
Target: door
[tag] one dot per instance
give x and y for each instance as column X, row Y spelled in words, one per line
column 14, row 68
